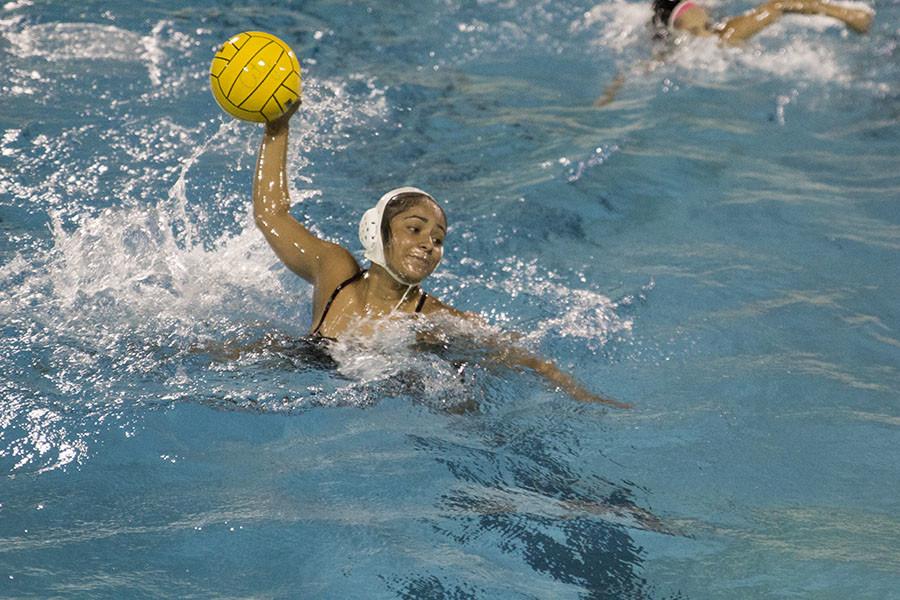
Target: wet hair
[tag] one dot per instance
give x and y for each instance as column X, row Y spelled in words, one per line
column 662, row 10
column 400, row 203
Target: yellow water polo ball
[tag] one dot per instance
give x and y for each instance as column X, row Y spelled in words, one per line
column 255, row 76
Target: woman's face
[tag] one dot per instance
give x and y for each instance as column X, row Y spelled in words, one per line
column 693, row 19
column 416, row 244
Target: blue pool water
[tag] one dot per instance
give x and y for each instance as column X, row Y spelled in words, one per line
column 718, row 247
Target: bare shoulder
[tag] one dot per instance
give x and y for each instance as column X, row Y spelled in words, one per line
column 335, row 265
column 335, row 260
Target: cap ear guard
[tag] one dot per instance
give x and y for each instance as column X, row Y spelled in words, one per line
column 370, row 230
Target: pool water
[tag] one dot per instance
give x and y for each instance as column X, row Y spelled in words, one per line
column 719, row 247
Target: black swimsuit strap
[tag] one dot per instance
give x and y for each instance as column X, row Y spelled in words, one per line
column 344, row 284
column 334, row 294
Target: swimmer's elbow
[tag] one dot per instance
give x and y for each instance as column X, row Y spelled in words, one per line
column 269, row 224
column 269, row 215
column 262, row 221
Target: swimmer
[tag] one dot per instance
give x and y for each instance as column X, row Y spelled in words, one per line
column 403, row 236
column 674, row 18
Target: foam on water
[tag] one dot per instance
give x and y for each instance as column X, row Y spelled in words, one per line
column 61, row 43
column 115, row 297
column 577, row 313
column 17, row 4
column 803, row 59
column 621, row 24
column 77, row 41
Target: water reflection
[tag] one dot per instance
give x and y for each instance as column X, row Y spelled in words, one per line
column 517, row 493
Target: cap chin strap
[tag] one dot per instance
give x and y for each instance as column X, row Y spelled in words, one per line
column 409, row 286
column 402, row 299
column 396, row 277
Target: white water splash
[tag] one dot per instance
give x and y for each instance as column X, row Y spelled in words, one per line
column 76, row 41
column 133, row 256
column 621, row 24
column 136, row 275
column 797, row 59
column 158, row 51
column 17, row 4
column 580, row 313
column 46, row 440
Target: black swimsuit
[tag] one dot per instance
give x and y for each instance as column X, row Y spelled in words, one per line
column 342, row 285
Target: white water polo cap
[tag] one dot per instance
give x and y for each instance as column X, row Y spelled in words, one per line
column 370, row 227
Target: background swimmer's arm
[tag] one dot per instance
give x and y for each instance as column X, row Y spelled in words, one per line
column 302, row 252
column 505, row 351
column 609, row 94
column 737, row 29
column 857, row 19
column 639, row 70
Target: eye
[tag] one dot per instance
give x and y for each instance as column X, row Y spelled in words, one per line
column 438, row 241
column 413, row 229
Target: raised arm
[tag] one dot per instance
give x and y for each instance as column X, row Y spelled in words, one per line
column 322, row 263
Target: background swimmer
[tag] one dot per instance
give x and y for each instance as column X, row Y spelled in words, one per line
column 672, row 19
column 403, row 236
column 671, row 16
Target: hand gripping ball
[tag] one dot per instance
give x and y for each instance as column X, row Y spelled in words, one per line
column 255, row 76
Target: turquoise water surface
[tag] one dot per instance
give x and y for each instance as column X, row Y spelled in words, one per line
column 718, row 247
